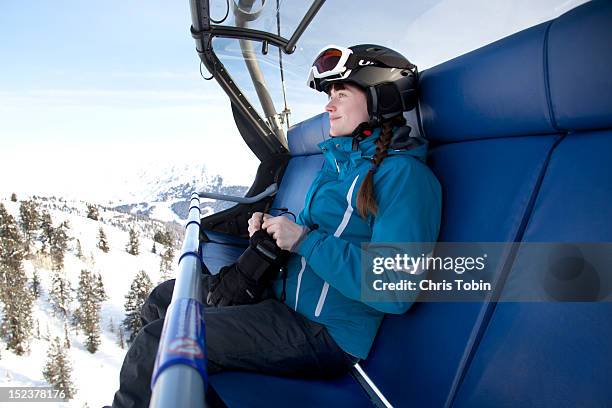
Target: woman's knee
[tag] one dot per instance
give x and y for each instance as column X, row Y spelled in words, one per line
column 156, row 304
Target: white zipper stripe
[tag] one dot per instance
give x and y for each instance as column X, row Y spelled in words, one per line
column 373, row 386
column 337, row 167
column 321, row 299
column 339, row 230
column 349, row 210
column 297, row 291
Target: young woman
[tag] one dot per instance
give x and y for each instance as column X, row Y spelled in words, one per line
column 373, row 187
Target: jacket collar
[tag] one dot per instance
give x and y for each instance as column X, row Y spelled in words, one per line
column 344, row 144
column 341, row 148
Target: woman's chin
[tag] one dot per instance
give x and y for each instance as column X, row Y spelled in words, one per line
column 335, row 131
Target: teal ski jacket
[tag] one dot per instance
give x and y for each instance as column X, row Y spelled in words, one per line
column 324, row 276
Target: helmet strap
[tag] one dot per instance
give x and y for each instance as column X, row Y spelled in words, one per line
column 372, row 98
column 362, row 131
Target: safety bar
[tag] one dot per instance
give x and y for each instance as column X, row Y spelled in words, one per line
column 270, row 190
column 179, row 377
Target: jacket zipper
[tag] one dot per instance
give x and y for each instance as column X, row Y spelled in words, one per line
column 345, row 220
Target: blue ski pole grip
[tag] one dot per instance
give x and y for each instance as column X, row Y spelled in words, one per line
column 184, row 339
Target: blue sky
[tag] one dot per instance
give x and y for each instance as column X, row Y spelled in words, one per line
column 108, row 57
column 90, row 91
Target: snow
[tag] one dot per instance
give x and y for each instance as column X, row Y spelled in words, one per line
column 96, row 376
column 163, row 211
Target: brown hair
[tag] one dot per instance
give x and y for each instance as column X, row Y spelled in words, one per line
column 366, row 202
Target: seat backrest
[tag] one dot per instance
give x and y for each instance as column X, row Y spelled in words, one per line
column 560, row 353
column 306, row 160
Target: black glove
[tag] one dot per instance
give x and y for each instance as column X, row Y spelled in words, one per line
column 245, row 281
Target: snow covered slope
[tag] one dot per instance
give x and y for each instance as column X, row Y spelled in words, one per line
column 163, row 192
column 94, row 375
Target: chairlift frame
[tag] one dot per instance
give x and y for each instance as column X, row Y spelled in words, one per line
column 267, row 142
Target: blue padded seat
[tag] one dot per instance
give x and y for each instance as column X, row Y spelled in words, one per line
column 579, row 56
column 223, row 249
column 495, row 91
column 424, row 347
column 554, row 354
column 306, row 161
column 247, row 390
column 560, row 354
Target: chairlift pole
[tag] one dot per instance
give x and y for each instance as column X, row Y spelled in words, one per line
column 242, row 12
column 179, row 377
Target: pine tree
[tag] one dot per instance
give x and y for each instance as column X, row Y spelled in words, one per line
column 165, row 264
column 66, row 337
column 92, row 212
column 111, row 325
column 87, row 316
column 99, row 289
column 58, row 246
column 14, row 292
column 79, row 249
column 65, row 224
column 154, row 249
column 58, row 369
column 102, row 241
column 60, row 294
column 121, row 338
column 14, row 197
column 35, row 285
column 29, row 217
column 163, row 237
column 132, row 245
column 168, row 238
column 45, row 229
column 139, row 290
column 11, row 248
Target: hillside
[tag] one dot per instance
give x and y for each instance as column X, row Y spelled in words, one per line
column 94, row 375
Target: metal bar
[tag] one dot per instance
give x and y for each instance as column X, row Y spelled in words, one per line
column 179, row 377
column 310, row 14
column 270, row 190
column 240, row 33
column 200, row 15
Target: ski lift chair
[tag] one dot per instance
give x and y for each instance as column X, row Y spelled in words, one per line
column 521, row 141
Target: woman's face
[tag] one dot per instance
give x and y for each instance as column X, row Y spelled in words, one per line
column 347, row 109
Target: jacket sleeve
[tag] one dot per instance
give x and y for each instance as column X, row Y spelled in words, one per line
column 409, row 210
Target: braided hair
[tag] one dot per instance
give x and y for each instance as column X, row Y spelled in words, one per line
column 366, row 202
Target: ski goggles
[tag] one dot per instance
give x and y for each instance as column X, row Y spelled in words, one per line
column 330, row 64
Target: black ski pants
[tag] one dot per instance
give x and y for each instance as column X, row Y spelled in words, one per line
column 267, row 337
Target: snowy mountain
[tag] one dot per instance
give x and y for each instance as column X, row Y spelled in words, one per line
column 163, row 192
column 94, row 375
